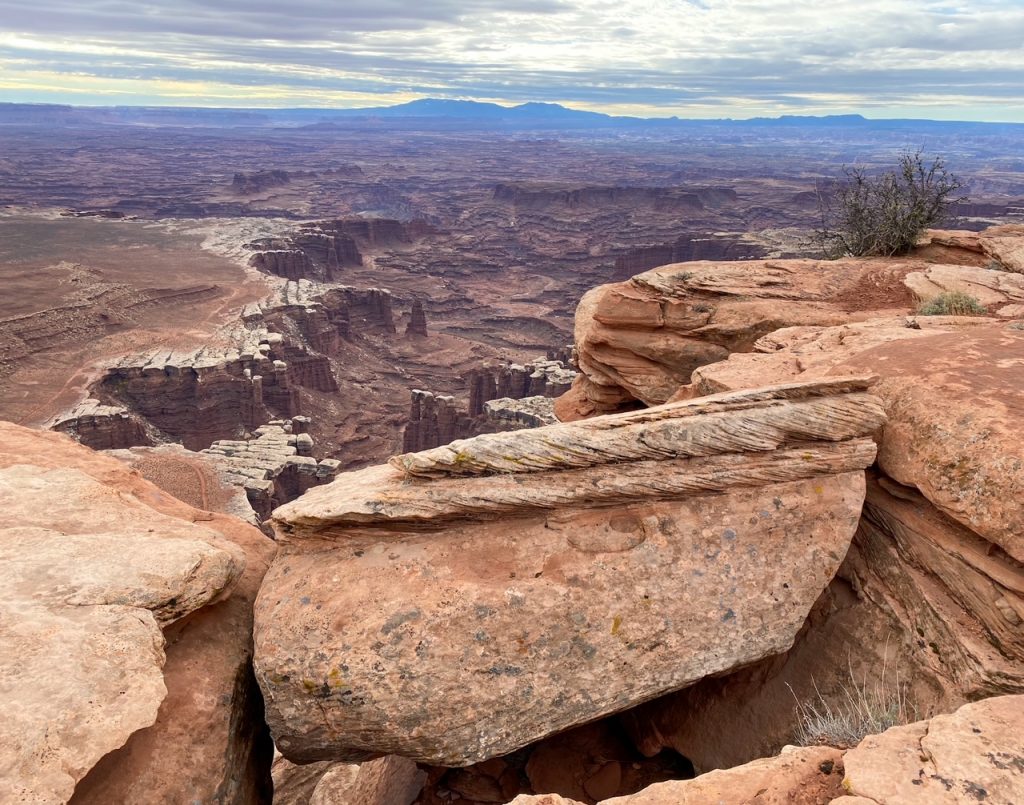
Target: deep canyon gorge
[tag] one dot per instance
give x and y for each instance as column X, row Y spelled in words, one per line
column 405, row 462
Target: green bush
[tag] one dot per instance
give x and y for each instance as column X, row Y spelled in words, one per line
column 886, row 214
column 952, row 303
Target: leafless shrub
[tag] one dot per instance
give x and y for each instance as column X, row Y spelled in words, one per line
column 885, row 214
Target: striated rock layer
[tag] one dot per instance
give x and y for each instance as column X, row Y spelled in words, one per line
column 466, row 601
column 641, row 339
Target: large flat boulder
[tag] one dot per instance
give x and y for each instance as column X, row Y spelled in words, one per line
column 460, row 603
column 932, row 588
column 965, row 454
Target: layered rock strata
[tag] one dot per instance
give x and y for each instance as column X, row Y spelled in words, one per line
column 417, row 320
column 641, row 339
column 273, row 467
column 515, row 575
column 101, row 427
column 539, row 378
column 222, row 391
column 322, row 250
column 1002, row 246
column 201, row 395
column 529, row 412
column 436, row 419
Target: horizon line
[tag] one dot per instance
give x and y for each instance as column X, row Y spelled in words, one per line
column 505, row 105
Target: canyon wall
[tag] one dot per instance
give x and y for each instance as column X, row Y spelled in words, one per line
column 438, row 419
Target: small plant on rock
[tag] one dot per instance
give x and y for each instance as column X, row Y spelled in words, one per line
column 861, row 709
column 885, row 214
column 951, row 303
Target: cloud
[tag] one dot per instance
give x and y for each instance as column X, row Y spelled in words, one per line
column 713, row 57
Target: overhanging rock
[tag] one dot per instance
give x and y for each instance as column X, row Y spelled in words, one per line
column 463, row 602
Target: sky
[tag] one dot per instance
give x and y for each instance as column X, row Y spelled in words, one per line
column 655, row 58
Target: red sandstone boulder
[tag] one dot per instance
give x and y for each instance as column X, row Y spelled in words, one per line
column 145, row 714
column 973, row 755
column 641, row 339
column 471, row 599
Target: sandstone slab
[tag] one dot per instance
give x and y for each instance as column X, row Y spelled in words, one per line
column 965, row 455
column 932, row 587
column 454, row 609
column 205, row 741
column 973, row 755
column 88, row 578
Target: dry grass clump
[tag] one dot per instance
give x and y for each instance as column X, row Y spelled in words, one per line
column 861, row 709
column 952, row 303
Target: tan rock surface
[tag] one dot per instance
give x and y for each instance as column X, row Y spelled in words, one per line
column 388, row 780
column 973, row 755
column 932, row 586
column 378, row 633
column 999, row 290
column 294, row 783
column 87, row 579
column 799, row 776
column 965, row 455
column 1000, row 244
column 642, row 338
column 207, row 740
column 385, row 781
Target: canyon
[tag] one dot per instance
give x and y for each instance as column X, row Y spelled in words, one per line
column 510, row 465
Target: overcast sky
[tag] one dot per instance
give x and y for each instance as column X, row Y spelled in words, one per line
column 693, row 58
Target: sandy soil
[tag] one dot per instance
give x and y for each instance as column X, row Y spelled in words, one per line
column 78, row 292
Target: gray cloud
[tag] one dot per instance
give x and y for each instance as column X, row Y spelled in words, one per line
column 737, row 57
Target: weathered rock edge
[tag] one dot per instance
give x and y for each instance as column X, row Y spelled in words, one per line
column 828, row 410
column 454, row 618
column 749, row 438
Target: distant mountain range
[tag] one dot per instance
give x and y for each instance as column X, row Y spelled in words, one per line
column 436, row 114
